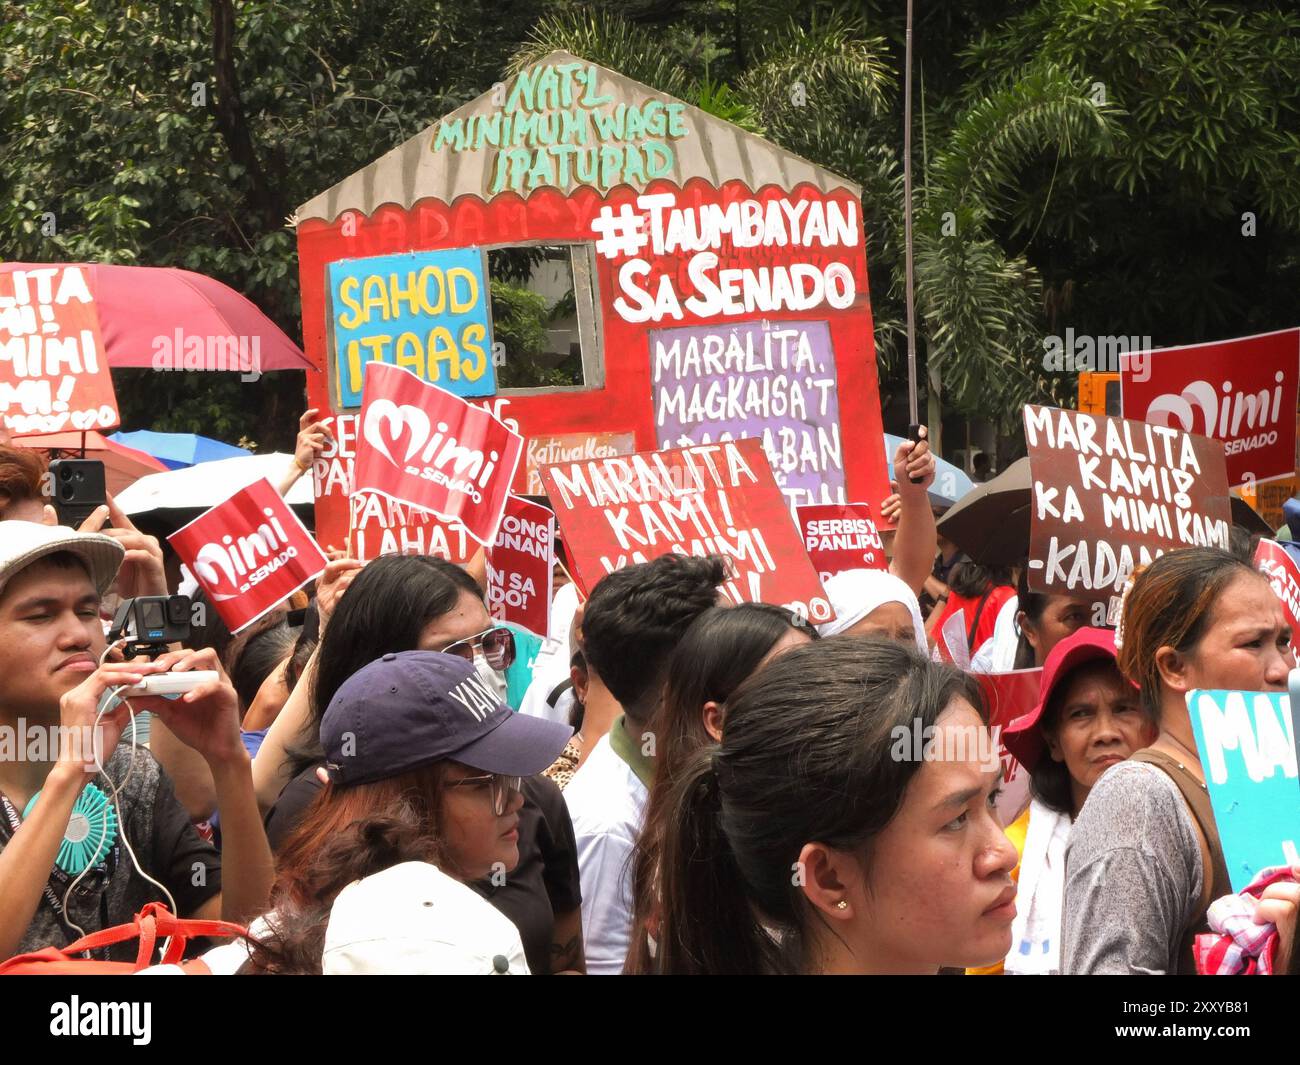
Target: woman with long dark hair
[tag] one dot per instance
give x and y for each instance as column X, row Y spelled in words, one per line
column 845, row 824
column 977, row 592
column 720, row 650
column 395, row 603
column 1144, row 859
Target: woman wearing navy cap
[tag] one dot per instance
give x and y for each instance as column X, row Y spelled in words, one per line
column 425, row 764
column 401, row 603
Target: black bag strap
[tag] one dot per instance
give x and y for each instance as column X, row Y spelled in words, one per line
column 979, row 609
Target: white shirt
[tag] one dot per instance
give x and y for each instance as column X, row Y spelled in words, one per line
column 997, row 654
column 550, row 669
column 606, row 803
column 1036, row 931
column 551, row 666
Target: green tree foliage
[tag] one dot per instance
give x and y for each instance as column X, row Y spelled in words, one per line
column 604, row 37
column 980, row 301
column 154, row 136
column 1148, row 238
column 1085, row 163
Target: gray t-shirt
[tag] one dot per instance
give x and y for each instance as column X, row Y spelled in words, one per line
column 166, row 844
column 1133, row 875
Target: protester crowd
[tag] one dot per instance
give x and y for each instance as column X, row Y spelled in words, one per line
column 384, row 779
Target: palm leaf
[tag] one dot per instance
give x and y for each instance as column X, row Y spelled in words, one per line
column 832, row 66
column 981, row 308
column 607, row 39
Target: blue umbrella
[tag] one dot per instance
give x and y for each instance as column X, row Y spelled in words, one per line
column 178, row 450
column 950, row 483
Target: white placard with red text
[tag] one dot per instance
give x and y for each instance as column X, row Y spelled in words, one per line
column 952, row 644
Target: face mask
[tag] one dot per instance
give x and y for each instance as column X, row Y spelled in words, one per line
column 493, row 678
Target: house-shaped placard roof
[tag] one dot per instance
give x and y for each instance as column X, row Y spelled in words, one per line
column 563, row 123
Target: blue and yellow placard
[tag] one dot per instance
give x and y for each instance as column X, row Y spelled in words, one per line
column 426, row 311
column 1247, row 745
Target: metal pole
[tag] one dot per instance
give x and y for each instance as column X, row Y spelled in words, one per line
column 913, row 411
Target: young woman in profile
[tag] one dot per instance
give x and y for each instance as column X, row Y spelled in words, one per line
column 813, row 839
column 1144, row 859
column 1044, row 620
column 1027, row 626
column 721, row 649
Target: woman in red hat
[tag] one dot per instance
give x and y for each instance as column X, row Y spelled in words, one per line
column 1088, row 718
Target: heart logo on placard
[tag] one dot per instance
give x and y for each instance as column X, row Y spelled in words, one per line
column 387, row 423
column 1197, row 396
column 214, row 568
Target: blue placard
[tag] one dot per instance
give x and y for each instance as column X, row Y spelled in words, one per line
column 1247, row 745
column 426, row 312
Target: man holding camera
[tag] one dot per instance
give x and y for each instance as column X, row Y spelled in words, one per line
column 90, row 832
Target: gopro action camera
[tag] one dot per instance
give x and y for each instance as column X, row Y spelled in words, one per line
column 149, row 623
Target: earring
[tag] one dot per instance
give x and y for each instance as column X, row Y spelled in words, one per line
column 841, row 905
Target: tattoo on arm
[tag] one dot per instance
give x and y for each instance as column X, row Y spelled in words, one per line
column 567, row 955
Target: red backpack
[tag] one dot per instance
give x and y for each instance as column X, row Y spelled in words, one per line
column 150, row 925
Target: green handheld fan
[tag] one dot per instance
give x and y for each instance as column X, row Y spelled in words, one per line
column 91, row 831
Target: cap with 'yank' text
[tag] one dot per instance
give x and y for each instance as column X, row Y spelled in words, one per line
column 411, row 708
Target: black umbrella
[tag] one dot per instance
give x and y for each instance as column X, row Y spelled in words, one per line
column 990, row 523
column 1244, row 514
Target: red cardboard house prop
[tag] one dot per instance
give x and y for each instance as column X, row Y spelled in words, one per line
column 709, row 285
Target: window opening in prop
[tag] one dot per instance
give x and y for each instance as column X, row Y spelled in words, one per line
column 545, row 327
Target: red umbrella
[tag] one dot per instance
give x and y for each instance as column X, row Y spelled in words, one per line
column 123, row 465
column 146, row 312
